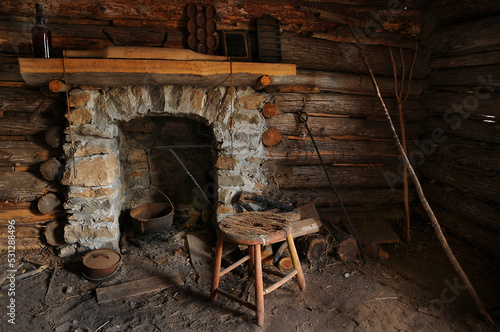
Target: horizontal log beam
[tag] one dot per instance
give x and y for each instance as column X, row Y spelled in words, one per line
column 347, row 83
column 363, row 213
column 344, row 35
column 114, row 72
column 24, row 186
column 391, row 18
column 29, row 99
column 348, row 196
column 480, row 76
column 9, row 68
column 459, row 166
column 28, row 125
column 24, row 153
column 464, row 152
column 342, row 176
column 349, row 105
column 466, row 229
column 327, row 81
column 455, row 125
column 467, row 60
column 309, row 53
column 24, row 213
column 450, row 198
column 466, row 37
column 302, row 152
column 320, row 127
column 172, row 14
column 484, row 187
column 75, row 35
column 21, row 232
column 446, row 101
column 452, row 11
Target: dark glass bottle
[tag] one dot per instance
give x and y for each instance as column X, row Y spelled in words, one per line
column 42, row 37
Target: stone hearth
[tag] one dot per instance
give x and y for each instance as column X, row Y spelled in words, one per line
column 95, row 185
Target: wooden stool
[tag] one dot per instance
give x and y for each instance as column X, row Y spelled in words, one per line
column 254, row 229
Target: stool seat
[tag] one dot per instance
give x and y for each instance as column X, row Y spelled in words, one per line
column 252, row 228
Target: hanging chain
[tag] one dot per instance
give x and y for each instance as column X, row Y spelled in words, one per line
column 303, row 117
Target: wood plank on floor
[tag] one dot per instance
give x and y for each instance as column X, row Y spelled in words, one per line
column 138, row 287
column 376, row 230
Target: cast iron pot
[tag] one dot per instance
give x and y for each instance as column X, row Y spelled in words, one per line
column 101, row 263
column 153, row 217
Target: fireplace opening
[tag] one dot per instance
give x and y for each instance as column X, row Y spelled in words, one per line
column 217, row 139
column 170, row 155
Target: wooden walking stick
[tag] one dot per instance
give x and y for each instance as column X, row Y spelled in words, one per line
column 421, row 196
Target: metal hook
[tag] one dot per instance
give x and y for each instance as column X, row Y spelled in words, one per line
column 303, row 117
column 72, row 152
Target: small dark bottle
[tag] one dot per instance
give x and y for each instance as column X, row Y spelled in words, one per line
column 42, row 37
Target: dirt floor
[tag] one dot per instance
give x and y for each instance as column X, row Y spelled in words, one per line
column 393, row 295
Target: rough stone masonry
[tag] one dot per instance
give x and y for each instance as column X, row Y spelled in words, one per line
column 93, row 177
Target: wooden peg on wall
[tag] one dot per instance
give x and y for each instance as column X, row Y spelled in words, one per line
column 271, row 137
column 270, row 110
column 58, row 86
column 262, row 82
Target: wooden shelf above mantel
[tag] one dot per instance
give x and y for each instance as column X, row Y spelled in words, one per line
column 122, row 72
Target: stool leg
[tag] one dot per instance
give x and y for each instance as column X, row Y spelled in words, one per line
column 259, row 287
column 251, row 262
column 296, row 263
column 217, row 266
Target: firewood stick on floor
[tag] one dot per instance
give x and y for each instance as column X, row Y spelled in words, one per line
column 28, row 274
column 50, row 283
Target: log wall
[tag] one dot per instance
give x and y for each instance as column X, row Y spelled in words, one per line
column 345, row 115
column 26, row 114
column 462, row 168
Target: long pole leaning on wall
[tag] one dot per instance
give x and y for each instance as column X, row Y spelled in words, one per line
column 421, row 195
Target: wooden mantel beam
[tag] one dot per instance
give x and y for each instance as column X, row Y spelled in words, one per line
column 119, row 72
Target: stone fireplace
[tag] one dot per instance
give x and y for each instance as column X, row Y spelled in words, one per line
column 114, row 129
